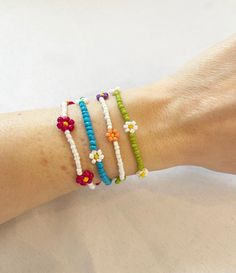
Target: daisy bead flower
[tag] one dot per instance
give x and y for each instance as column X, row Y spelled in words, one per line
column 65, row 123
column 112, row 135
column 130, row 127
column 143, row 173
column 85, row 178
column 96, row 156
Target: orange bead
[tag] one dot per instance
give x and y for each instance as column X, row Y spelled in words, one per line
column 112, row 135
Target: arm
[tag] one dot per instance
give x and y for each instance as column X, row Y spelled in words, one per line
column 186, row 119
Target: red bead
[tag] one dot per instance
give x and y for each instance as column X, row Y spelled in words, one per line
column 59, row 125
column 85, row 178
column 65, row 123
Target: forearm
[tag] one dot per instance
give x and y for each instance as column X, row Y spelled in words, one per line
column 36, row 161
column 37, row 165
column 189, row 118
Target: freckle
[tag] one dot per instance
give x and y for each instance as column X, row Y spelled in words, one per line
column 44, row 162
column 19, row 114
column 63, row 168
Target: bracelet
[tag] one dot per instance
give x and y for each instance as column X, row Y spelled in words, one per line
column 66, row 124
column 112, row 136
column 131, row 127
column 96, row 154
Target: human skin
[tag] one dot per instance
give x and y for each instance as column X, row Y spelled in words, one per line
column 188, row 118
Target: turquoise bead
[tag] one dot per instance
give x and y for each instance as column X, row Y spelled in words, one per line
column 92, row 141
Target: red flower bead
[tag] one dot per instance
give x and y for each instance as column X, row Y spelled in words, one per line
column 85, row 178
column 65, row 123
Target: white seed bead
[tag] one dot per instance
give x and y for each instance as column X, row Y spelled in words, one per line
column 115, row 143
column 92, row 186
column 79, row 171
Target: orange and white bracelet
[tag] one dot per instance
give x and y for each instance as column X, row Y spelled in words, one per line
column 112, row 136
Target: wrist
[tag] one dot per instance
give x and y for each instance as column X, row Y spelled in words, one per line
column 160, row 137
column 165, row 139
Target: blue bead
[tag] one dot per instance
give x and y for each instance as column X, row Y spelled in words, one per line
column 89, row 132
column 92, row 141
column 93, row 147
column 100, row 165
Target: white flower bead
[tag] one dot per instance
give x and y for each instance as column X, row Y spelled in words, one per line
column 130, row 127
column 96, row 156
column 143, row 173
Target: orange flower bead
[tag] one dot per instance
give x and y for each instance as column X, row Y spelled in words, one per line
column 112, row 135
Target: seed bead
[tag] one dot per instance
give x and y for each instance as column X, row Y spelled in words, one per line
column 66, row 124
column 95, row 155
column 130, row 127
column 112, row 136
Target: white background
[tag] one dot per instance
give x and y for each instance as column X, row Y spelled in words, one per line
column 178, row 220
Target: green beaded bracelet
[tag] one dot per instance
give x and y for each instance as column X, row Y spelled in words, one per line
column 131, row 127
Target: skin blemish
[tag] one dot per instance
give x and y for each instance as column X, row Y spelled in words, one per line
column 63, row 168
column 44, row 161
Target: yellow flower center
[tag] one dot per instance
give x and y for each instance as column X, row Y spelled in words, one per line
column 96, row 156
column 65, row 123
column 142, row 173
column 85, row 179
column 131, row 126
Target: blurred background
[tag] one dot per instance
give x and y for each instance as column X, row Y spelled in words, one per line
column 178, row 220
column 55, row 49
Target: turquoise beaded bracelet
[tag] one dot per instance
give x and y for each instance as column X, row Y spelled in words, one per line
column 96, row 154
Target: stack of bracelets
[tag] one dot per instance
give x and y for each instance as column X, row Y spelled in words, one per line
column 67, row 125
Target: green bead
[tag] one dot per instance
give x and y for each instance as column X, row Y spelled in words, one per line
column 132, row 136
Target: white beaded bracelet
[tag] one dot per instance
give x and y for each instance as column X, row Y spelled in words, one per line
column 66, row 124
column 112, row 136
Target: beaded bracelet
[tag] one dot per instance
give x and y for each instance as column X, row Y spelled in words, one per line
column 112, row 136
column 96, row 154
column 130, row 127
column 66, row 124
